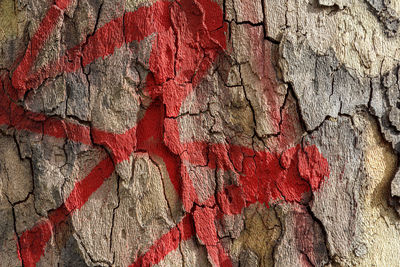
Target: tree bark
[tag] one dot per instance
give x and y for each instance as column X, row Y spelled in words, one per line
column 199, row 133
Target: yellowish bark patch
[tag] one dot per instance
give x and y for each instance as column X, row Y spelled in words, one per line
column 260, row 235
column 378, row 221
column 8, row 20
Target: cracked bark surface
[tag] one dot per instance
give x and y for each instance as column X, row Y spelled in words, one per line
column 199, row 133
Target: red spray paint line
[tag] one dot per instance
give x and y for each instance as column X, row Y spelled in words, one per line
column 264, row 176
column 169, row 93
column 14, row 116
column 91, row 51
column 35, row 45
column 33, row 242
column 138, row 25
column 158, row 19
column 302, row 169
column 167, row 243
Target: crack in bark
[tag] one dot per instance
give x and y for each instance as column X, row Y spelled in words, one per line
column 86, row 251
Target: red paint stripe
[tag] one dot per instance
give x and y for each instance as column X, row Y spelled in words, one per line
column 109, row 37
column 147, row 20
column 35, row 45
column 63, row 4
column 263, row 176
column 190, row 66
column 150, row 138
column 101, row 44
column 62, row 129
column 204, row 220
column 260, row 186
column 121, row 146
column 33, row 241
column 86, row 187
column 15, row 116
column 166, row 244
column 104, row 41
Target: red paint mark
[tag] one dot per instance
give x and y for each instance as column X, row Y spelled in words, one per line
column 204, row 220
column 190, row 34
column 35, row 45
column 166, row 244
column 123, row 145
column 264, row 177
column 33, row 241
column 150, row 139
column 14, row 116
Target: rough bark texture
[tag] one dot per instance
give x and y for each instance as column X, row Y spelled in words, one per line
column 199, row 133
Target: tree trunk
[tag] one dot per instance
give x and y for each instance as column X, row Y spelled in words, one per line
column 199, row 133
